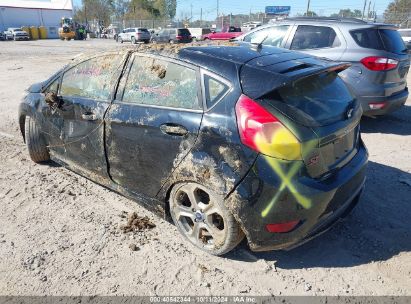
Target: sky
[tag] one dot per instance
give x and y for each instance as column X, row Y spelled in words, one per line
column 321, row 7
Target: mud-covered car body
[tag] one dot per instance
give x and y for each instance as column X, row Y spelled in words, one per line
column 142, row 149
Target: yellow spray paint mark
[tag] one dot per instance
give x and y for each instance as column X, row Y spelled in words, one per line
column 281, row 143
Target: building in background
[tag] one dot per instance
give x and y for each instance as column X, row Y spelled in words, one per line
column 47, row 13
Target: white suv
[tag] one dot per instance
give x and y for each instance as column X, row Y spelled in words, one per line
column 18, row 33
column 134, row 35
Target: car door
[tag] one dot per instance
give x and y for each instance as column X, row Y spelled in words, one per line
column 153, row 122
column 85, row 94
column 318, row 40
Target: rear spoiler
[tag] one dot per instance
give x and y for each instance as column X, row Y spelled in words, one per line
column 255, row 86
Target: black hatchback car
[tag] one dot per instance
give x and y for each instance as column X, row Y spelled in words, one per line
column 225, row 141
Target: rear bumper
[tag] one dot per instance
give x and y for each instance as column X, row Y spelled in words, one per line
column 329, row 201
column 391, row 103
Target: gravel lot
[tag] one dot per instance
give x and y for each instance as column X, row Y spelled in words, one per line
column 59, row 233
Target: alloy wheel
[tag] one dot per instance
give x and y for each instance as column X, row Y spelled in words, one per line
column 198, row 216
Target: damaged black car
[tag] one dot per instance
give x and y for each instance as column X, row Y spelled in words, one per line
column 226, row 141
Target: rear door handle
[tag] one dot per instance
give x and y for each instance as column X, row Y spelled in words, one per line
column 89, row 116
column 173, row 129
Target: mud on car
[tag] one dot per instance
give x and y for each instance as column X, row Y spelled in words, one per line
column 225, row 141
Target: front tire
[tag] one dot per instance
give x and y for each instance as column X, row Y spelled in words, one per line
column 201, row 217
column 35, row 142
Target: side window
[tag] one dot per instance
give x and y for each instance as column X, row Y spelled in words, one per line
column 314, row 37
column 161, row 83
column 91, row 78
column 214, row 90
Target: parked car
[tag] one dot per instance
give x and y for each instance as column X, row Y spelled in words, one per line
column 2, row 36
column 134, row 35
column 198, row 32
column 172, row 35
column 405, row 35
column 8, row 35
column 227, row 141
column 231, row 32
column 379, row 59
column 18, row 33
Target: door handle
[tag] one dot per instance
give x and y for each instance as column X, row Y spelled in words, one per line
column 173, row 129
column 89, row 116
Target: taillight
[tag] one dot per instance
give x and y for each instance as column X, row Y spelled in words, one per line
column 263, row 132
column 179, row 37
column 282, row 227
column 379, row 63
column 377, row 105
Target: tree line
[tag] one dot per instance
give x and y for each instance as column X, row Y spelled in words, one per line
column 104, row 10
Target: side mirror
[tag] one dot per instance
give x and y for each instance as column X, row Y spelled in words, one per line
column 53, row 100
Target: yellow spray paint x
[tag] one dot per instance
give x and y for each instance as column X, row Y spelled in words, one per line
column 281, row 144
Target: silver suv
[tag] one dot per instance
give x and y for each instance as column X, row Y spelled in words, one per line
column 378, row 56
column 134, row 35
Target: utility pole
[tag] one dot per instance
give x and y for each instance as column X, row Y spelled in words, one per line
column 222, row 21
column 218, row 8
column 201, row 17
column 249, row 16
column 369, row 7
column 374, row 15
column 363, row 10
column 308, row 8
column 191, row 18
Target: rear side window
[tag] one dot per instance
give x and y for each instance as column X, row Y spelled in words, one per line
column 314, row 37
column 183, row 32
column 379, row 39
column 143, row 30
column 215, row 90
column 161, row 83
column 324, row 98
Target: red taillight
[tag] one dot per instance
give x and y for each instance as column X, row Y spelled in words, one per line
column 282, row 227
column 263, row 132
column 379, row 63
column 377, row 105
column 179, row 37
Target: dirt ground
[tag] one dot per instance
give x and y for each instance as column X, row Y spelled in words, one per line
column 60, row 233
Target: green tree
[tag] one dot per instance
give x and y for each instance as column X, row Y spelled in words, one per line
column 310, row 14
column 100, row 10
column 347, row 13
column 171, row 8
column 398, row 12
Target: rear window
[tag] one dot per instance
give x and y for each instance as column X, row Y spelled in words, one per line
column 321, row 98
column 183, row 32
column 379, row 39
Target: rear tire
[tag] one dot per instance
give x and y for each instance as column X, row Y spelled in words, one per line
column 172, row 41
column 35, row 142
column 202, row 218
